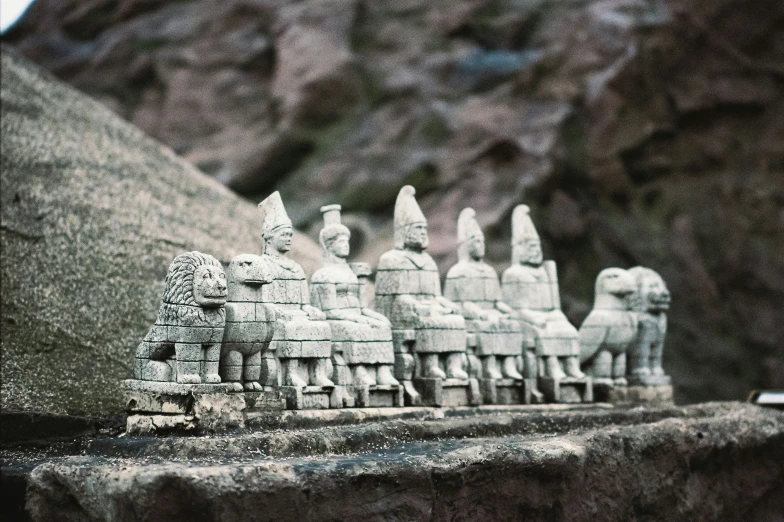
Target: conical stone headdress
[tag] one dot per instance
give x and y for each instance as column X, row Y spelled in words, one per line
column 273, row 214
column 467, row 228
column 332, row 225
column 522, row 228
column 407, row 212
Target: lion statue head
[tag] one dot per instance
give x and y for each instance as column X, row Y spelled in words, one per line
column 651, row 294
column 195, row 283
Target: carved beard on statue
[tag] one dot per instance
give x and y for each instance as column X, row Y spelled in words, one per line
column 416, row 237
column 476, row 248
column 530, row 252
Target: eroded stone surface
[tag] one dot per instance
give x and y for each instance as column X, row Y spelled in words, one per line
column 425, row 325
column 675, row 464
column 362, row 353
column 93, row 212
column 530, row 287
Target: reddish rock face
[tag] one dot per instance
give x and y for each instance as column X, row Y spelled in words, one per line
column 647, row 133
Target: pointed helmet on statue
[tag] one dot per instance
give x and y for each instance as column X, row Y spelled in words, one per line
column 407, row 213
column 522, row 226
column 273, row 215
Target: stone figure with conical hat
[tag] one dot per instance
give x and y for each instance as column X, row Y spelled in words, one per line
column 530, row 286
column 428, row 331
column 302, row 339
column 495, row 337
column 361, row 337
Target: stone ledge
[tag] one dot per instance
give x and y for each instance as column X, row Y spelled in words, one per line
column 717, row 461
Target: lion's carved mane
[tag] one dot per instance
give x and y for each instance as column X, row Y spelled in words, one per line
column 178, row 306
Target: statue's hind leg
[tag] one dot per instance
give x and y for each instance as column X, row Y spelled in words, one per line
column 251, row 371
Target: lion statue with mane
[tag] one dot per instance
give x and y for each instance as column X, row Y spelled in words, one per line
column 651, row 300
column 184, row 343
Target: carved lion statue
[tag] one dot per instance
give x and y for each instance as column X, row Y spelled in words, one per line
column 651, row 300
column 184, row 343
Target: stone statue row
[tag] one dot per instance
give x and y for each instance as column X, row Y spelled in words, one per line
column 258, row 328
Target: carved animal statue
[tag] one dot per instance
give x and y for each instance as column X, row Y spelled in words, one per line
column 250, row 323
column 610, row 330
column 651, row 300
column 184, row 343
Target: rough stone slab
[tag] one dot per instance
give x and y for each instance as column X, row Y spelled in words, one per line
column 719, row 461
column 641, row 395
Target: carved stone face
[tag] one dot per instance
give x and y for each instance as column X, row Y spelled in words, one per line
column 530, row 252
column 249, row 269
column 655, row 294
column 416, row 237
column 476, row 248
column 281, row 239
column 339, row 247
column 209, row 286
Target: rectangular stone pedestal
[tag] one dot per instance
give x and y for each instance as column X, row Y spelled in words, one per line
column 158, row 408
column 566, row 390
column 269, row 399
column 314, row 397
column 656, row 396
column 449, row 392
column 504, row 391
column 377, row 396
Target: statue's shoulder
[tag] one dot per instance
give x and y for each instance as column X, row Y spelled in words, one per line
column 332, row 274
column 393, row 260
column 284, row 265
column 460, row 270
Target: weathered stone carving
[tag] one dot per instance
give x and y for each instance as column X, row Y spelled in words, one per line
column 361, row 337
column 495, row 338
column 651, row 300
column 177, row 386
column 302, row 339
column 610, row 330
column 530, row 286
column 429, row 334
column 184, row 343
column 250, row 325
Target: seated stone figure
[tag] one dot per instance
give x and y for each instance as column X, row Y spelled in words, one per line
column 184, row 343
column 408, row 292
column 494, row 335
column 302, row 339
column 361, row 337
column 530, row 286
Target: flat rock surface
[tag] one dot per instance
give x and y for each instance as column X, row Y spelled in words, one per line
column 716, row 461
column 93, row 212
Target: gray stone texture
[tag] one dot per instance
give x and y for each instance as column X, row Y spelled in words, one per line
column 640, row 133
column 720, row 461
column 93, row 212
column 363, row 355
column 611, row 329
column 250, row 322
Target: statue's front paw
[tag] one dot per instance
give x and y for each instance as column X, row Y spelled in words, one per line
column 190, row 378
column 252, row 386
column 212, row 378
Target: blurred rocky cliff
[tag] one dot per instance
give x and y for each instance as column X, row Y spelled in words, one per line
column 640, row 132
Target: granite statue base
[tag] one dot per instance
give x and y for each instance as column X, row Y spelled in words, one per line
column 448, row 392
column 504, row 391
column 376, row 396
column 566, row 390
column 159, row 408
column 316, row 397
